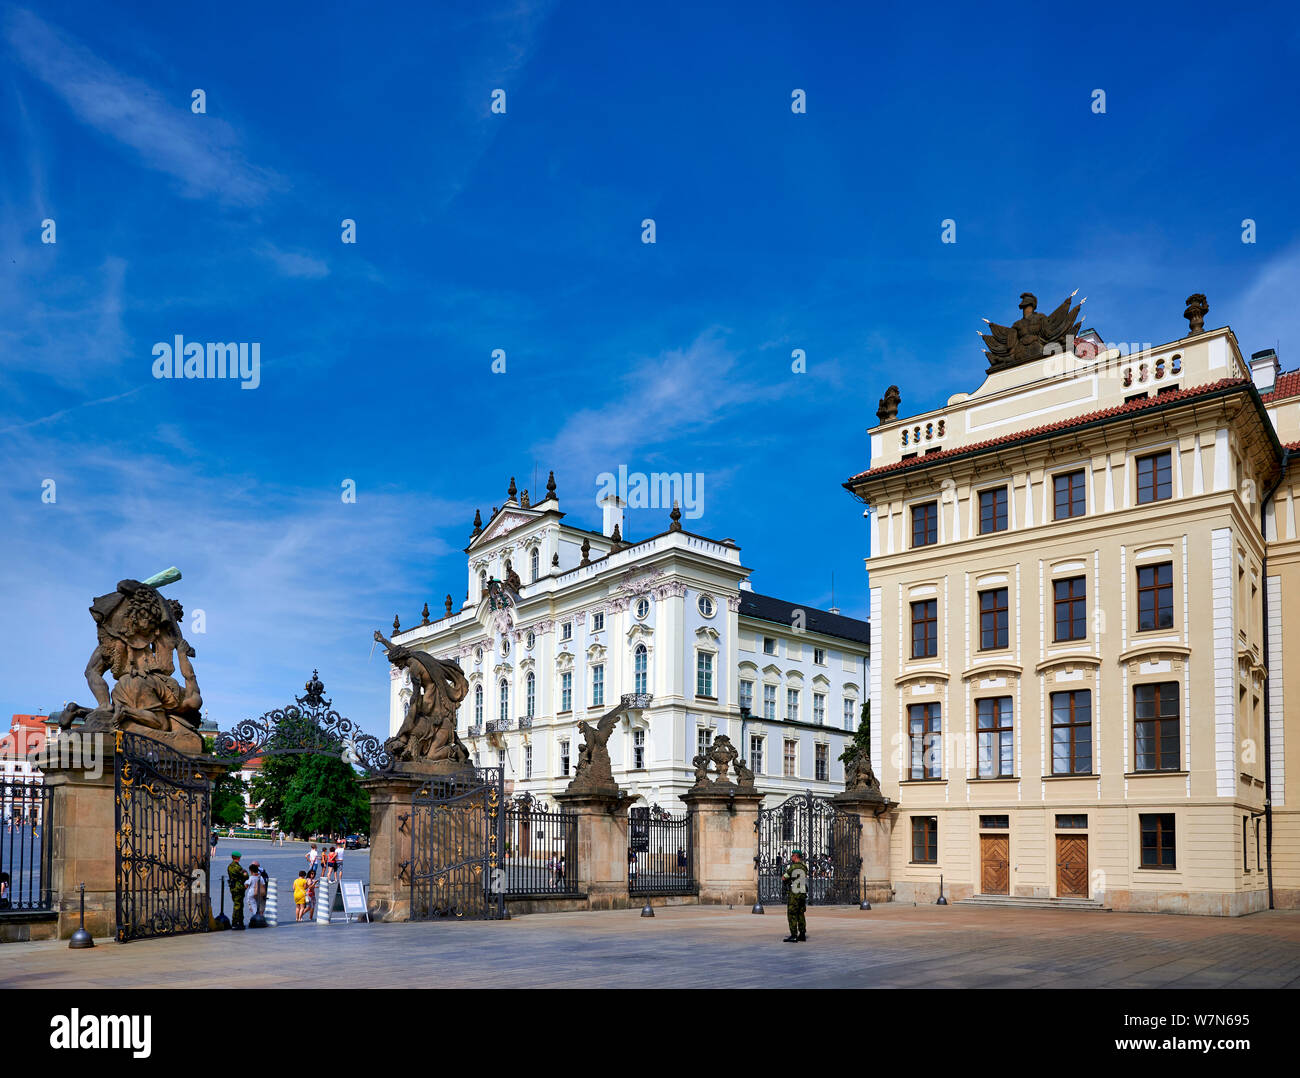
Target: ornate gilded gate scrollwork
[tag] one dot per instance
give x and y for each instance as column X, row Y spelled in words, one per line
column 162, row 810
column 456, row 869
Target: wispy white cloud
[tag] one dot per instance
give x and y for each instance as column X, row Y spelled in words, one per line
column 1264, row 315
column 201, row 151
column 293, row 263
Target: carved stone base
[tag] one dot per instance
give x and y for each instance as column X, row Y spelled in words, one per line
column 439, row 768
column 389, row 895
column 878, row 815
column 602, row 844
column 723, row 819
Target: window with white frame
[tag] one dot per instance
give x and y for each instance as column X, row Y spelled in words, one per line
column 706, row 606
column 528, row 761
column 531, row 699
column 504, row 687
column 566, row 631
column 638, row 750
column 566, row 691
column 819, row 708
column 598, row 685
column 821, row 763
column 792, row 705
column 640, row 666
column 747, row 695
column 769, row 701
column 789, row 759
column 769, row 645
column 564, row 756
column 535, row 563
column 703, row 739
column 756, row 754
column 597, row 621
column 819, row 656
column 850, row 709
column 478, row 705
column 704, row 674
column 642, row 609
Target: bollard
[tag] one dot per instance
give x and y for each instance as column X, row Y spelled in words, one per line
column 81, row 938
column 270, row 913
column 323, row 901
column 941, row 901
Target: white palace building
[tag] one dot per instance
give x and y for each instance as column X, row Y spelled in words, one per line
column 583, row 617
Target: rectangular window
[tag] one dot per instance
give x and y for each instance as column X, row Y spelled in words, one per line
column 792, row 705
column 993, row 619
column 638, row 750
column 704, row 674
column 703, row 739
column 756, row 755
column 769, row 645
column 850, row 713
column 1072, row 732
column 993, row 510
column 819, row 656
column 788, row 758
column 747, row 696
column 819, row 708
column 925, row 524
column 1245, row 849
column 598, row 685
column 1157, row 831
column 597, row 621
column 501, row 760
column 925, row 840
column 1155, row 477
column 566, row 691
column 925, row 629
column 1070, row 494
column 822, row 763
column 564, row 757
column 925, row 741
column 566, row 631
column 1156, row 728
column 1071, row 821
column 528, row 761
column 995, row 823
column 996, row 750
column 1156, row 596
column 769, row 701
column 1070, row 600
column 1259, row 865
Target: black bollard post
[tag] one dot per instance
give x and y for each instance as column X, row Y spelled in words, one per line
column 647, row 910
column 864, row 904
column 941, row 901
column 81, row 938
column 221, row 919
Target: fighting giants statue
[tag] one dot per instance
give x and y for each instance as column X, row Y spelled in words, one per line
column 427, row 740
column 139, row 632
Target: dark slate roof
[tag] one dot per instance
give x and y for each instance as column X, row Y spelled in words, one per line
column 766, row 608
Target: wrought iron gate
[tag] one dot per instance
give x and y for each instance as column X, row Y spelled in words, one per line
column 162, row 810
column 831, row 845
column 457, row 841
column 660, row 855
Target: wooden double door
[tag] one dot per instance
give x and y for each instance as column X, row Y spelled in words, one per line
column 1071, row 866
column 995, row 864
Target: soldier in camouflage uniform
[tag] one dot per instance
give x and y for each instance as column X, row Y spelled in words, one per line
column 795, row 878
column 236, row 879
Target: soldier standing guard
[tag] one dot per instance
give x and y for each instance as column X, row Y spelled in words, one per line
column 795, row 878
column 236, row 878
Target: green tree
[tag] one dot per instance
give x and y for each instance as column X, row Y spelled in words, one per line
column 228, row 800
column 861, row 743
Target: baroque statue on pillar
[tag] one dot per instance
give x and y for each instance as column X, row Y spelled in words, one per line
column 139, row 632
column 1032, row 335
column 427, row 742
column 723, row 755
column 859, row 778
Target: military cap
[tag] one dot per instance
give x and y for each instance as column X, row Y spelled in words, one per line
column 796, row 853
column 235, row 854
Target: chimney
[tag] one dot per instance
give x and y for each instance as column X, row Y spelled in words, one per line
column 745, row 585
column 1264, row 369
column 613, row 506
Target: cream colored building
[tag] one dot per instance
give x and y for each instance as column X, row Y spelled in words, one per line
column 1075, row 616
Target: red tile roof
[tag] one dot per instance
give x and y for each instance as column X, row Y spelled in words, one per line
column 1287, row 385
column 26, row 737
column 1147, row 403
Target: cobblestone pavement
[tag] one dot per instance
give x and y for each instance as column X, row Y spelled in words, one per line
column 892, row 946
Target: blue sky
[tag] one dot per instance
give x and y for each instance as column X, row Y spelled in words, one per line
column 522, row 231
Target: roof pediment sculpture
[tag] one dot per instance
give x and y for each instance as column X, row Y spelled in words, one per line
column 139, row 633
column 427, row 742
column 1032, row 335
column 723, row 756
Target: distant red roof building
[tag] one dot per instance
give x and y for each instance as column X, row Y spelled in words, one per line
column 26, row 737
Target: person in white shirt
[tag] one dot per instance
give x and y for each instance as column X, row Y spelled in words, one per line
column 313, row 855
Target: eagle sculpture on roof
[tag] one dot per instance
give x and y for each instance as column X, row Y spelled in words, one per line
column 1033, row 335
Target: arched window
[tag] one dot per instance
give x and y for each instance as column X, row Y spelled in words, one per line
column 482, row 582
column 535, row 560
column 639, row 664
column 478, row 705
column 532, row 692
column 505, row 699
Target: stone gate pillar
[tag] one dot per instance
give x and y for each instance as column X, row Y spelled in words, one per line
column 877, row 815
column 602, row 846
column 724, row 835
column 389, row 893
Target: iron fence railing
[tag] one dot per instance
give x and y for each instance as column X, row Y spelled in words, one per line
column 26, row 845
column 660, row 853
column 541, row 848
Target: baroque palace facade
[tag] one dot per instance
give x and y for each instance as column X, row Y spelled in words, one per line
column 559, row 622
column 1092, row 695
